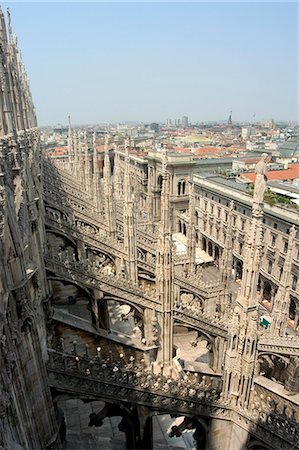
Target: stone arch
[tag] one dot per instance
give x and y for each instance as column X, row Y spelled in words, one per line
column 273, row 366
column 58, row 242
column 194, row 302
column 267, row 290
column 129, row 423
column 239, row 269
column 56, row 214
column 184, row 231
column 181, row 187
column 160, row 182
column 71, row 297
column 204, row 244
column 61, row 234
column 292, row 309
column 125, row 317
column 255, row 444
column 100, row 258
column 87, row 227
column 194, row 425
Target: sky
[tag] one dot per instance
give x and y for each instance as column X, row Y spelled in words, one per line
column 117, row 62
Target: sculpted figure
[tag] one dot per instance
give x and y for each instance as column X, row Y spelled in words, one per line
column 260, row 184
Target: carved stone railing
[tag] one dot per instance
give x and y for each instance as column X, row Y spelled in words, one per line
column 197, row 286
column 95, row 239
column 273, row 421
column 109, row 380
column 197, row 319
column 54, row 183
column 288, row 346
column 276, row 412
column 95, row 277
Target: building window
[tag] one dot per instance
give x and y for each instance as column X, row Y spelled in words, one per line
column 286, row 245
column 241, row 247
column 218, row 212
column 242, row 224
column 275, row 225
column 273, row 240
column 294, row 282
column 298, row 253
column 280, row 272
column 234, row 221
column 181, row 187
column 270, row 266
column 212, row 209
column 226, row 217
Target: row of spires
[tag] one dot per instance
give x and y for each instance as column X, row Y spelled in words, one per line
column 112, row 188
column 17, row 111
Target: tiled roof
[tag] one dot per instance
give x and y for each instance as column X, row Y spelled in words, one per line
column 288, row 174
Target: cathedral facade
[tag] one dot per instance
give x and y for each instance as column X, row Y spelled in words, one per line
column 75, row 246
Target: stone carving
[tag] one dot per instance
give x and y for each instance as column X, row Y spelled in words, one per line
column 260, row 184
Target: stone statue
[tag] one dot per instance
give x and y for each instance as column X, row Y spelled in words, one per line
column 260, row 184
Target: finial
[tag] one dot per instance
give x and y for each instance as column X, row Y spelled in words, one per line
column 164, row 160
column 9, row 24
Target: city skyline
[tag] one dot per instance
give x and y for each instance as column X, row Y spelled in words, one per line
column 110, row 63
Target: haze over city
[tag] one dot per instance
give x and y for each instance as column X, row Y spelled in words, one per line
column 149, row 61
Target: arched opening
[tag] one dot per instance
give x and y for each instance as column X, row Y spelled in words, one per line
column 204, row 244
column 60, row 245
column 239, row 270
column 180, row 432
column 273, row 367
column 216, row 253
column 125, row 319
column 97, row 424
column 101, row 261
column 180, row 226
column 210, row 248
column 267, row 291
column 292, row 309
column 71, row 298
column 181, row 187
column 184, row 229
column 160, row 182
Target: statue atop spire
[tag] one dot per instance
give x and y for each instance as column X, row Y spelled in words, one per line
column 260, row 184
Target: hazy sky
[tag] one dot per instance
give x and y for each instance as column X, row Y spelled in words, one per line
column 114, row 62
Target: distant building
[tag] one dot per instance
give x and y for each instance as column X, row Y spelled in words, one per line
column 185, row 122
column 154, row 127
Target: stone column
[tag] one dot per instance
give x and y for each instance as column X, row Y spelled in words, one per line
column 164, row 278
column 103, row 313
